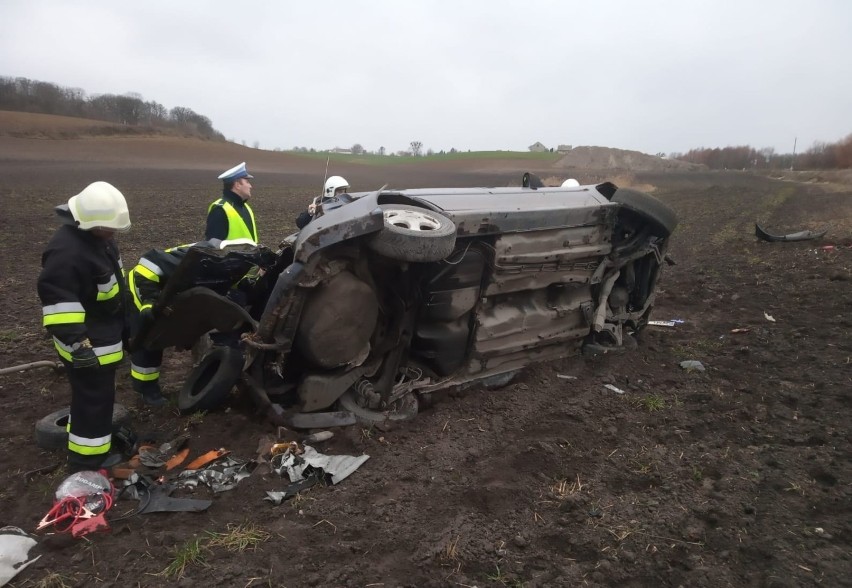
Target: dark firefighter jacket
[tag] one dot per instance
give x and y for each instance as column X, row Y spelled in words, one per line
column 230, row 217
column 147, row 278
column 82, row 292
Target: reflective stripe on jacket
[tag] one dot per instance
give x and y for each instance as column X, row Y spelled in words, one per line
column 81, row 287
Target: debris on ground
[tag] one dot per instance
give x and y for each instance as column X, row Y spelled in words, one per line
column 80, row 504
column 763, row 235
column 614, row 389
column 310, row 467
column 15, row 546
column 739, row 330
column 319, row 437
column 219, row 477
column 566, row 377
column 691, row 365
column 768, row 317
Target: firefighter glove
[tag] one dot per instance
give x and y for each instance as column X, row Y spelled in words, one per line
column 146, row 315
column 82, row 355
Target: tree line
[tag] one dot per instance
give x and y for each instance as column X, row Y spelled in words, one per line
column 25, row 95
column 821, row 155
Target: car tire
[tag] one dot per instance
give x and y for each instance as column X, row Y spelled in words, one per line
column 51, row 433
column 414, row 234
column 407, row 411
column 645, row 205
column 211, row 381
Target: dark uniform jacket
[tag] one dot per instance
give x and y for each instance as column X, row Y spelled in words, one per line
column 236, row 225
column 82, row 292
column 147, row 279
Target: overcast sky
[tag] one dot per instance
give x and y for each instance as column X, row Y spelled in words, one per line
column 655, row 76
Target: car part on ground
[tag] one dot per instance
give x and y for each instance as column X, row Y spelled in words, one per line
column 806, row 235
column 211, row 381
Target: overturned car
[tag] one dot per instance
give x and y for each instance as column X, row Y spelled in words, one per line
column 388, row 296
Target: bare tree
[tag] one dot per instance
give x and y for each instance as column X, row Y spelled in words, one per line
column 416, row 148
column 357, row 149
column 382, row 150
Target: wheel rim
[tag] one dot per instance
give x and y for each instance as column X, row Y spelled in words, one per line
column 412, row 220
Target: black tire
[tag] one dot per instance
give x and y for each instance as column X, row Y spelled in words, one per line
column 648, row 207
column 407, row 409
column 211, row 381
column 50, row 432
column 414, row 234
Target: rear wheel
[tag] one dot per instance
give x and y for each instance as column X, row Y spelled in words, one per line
column 648, row 208
column 414, row 234
column 211, row 381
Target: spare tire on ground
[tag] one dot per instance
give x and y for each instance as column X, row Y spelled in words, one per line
column 211, row 381
column 51, row 431
column 414, row 234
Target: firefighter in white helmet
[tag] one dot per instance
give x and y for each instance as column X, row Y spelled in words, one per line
column 333, row 188
column 83, row 295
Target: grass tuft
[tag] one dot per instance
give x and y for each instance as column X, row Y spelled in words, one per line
column 54, row 580
column 190, row 553
column 239, row 537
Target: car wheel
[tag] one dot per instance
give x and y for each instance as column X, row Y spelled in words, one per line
column 211, row 381
column 414, row 234
column 51, row 432
column 648, row 207
column 405, row 409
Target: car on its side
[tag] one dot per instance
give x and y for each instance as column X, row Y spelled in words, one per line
column 388, row 296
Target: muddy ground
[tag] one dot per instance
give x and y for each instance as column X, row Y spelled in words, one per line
column 736, row 476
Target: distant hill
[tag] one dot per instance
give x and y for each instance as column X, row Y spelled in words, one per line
column 51, row 126
column 609, row 158
column 134, row 114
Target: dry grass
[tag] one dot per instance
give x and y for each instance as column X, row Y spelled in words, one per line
column 239, row 537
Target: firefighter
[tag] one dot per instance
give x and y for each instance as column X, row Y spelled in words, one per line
column 230, row 217
column 145, row 282
column 82, row 291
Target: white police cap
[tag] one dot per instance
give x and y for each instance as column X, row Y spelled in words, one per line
column 235, row 173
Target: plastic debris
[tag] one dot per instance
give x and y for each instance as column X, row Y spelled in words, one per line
column 740, row 330
column 692, row 365
column 613, row 388
column 15, row 546
column 319, row 436
column 207, row 458
column 661, row 323
column 768, row 317
column 566, row 377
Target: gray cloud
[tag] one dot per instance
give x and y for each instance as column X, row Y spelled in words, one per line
column 653, row 76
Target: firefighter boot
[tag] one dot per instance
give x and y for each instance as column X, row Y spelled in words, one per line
column 150, row 393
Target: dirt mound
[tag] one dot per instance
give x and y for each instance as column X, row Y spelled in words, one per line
column 609, row 158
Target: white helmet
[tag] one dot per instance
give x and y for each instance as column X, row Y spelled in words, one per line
column 332, row 185
column 570, row 183
column 100, row 206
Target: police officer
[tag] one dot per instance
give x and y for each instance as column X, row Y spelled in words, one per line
column 146, row 281
column 334, row 187
column 82, row 292
column 230, row 217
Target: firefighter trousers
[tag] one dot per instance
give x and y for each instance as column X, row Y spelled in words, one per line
column 90, row 422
